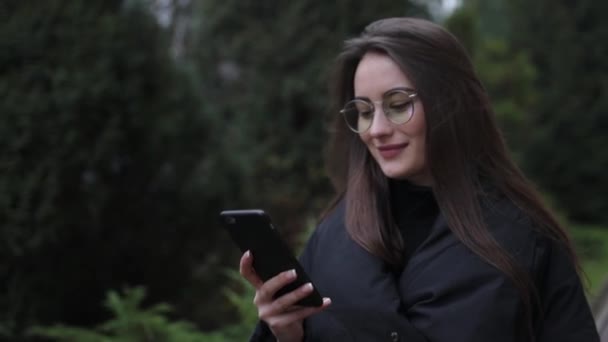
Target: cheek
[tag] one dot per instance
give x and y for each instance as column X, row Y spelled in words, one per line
column 418, row 131
column 418, row 136
column 421, row 151
column 365, row 139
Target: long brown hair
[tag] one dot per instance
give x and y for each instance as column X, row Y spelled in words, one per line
column 464, row 147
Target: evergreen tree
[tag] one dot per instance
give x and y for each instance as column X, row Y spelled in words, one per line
column 507, row 72
column 114, row 162
column 264, row 68
column 566, row 40
column 99, row 134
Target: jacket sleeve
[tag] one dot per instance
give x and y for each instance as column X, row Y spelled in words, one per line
column 262, row 333
column 459, row 297
column 566, row 315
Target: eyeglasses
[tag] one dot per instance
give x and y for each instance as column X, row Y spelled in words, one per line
column 397, row 105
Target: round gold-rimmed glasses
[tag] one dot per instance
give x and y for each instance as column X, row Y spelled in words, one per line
column 397, row 105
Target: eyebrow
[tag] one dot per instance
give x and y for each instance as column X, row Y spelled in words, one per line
column 412, row 90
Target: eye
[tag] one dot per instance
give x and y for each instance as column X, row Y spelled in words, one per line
column 366, row 114
column 400, row 106
column 364, row 110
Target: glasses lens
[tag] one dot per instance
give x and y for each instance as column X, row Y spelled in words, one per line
column 399, row 107
column 358, row 115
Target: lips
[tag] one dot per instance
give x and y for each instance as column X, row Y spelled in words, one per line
column 391, row 151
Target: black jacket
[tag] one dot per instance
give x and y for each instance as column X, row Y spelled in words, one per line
column 446, row 292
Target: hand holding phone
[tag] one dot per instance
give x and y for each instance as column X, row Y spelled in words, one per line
column 253, row 231
column 285, row 321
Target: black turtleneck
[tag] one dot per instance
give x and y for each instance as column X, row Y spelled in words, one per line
column 414, row 210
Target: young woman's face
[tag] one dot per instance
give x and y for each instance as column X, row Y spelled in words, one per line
column 399, row 149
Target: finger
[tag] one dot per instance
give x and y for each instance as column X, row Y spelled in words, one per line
column 269, row 288
column 247, row 271
column 297, row 315
column 286, row 302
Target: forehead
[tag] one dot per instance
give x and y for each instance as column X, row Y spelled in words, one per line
column 376, row 74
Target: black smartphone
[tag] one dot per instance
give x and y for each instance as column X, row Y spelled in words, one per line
column 252, row 230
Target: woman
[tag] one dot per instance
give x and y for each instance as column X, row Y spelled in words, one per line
column 435, row 234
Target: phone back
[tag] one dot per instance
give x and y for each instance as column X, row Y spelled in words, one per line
column 252, row 230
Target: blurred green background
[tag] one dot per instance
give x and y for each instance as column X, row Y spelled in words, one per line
column 126, row 126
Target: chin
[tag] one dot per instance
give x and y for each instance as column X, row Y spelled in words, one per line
column 396, row 174
column 413, row 176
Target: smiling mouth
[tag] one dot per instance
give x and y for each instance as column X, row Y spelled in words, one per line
column 392, row 147
column 391, row 151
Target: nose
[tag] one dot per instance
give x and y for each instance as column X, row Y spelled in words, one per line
column 380, row 124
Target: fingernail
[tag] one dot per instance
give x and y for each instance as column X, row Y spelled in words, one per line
column 308, row 287
column 326, row 301
column 247, row 254
column 292, row 274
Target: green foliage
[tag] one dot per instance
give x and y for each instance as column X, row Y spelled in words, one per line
column 507, row 73
column 565, row 152
column 5, row 330
column 463, row 23
column 266, row 83
column 592, row 247
column 240, row 296
column 130, row 323
column 531, row 59
column 99, row 136
column 545, row 71
column 265, row 67
column 115, row 159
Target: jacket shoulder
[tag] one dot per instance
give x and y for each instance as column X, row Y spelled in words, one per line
column 513, row 229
